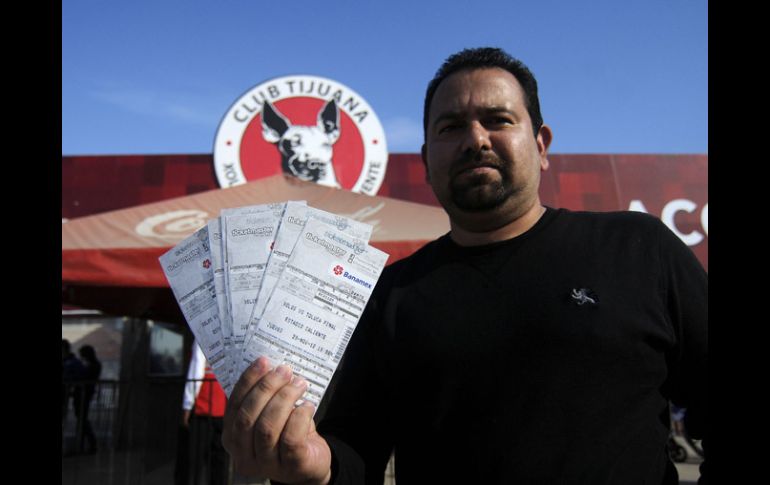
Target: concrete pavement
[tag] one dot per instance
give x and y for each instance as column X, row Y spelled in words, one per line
column 114, row 468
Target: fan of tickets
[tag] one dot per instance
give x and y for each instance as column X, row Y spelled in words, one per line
column 286, row 280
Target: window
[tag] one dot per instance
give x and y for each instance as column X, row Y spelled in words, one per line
column 166, row 349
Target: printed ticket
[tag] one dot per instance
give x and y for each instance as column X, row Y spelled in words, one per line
column 189, row 271
column 218, row 266
column 284, row 280
column 293, row 221
column 276, row 209
column 249, row 239
column 316, row 304
column 241, row 271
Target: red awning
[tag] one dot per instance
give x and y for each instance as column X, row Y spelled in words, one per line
column 121, row 248
column 110, row 260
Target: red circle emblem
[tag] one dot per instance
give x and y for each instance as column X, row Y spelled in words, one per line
column 260, row 158
column 310, row 127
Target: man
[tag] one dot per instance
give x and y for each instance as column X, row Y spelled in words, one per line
column 529, row 345
column 84, row 393
column 200, row 439
column 71, row 371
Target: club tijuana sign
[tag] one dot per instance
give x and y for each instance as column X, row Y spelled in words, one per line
column 309, row 127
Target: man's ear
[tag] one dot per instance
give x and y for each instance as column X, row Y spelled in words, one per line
column 544, row 138
column 424, row 156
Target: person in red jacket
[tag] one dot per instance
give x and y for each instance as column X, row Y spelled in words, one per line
column 200, row 447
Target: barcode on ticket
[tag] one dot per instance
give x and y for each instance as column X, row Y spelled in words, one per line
column 343, row 344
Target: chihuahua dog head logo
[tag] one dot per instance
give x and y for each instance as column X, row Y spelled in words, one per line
column 306, row 151
column 308, row 127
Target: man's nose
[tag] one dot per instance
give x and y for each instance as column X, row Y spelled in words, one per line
column 476, row 137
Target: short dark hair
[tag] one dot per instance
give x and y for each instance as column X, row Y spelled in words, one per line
column 87, row 352
column 487, row 57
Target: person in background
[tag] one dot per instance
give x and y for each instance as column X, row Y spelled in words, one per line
column 84, row 394
column 201, row 456
column 71, row 372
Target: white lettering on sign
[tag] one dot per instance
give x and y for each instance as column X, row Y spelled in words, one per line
column 668, row 216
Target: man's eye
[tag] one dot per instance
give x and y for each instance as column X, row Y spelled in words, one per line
column 501, row 121
column 448, row 128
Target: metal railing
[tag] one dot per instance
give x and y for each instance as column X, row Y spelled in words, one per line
column 80, row 412
column 137, row 435
column 121, row 432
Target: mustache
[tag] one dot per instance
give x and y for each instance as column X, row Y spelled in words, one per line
column 471, row 160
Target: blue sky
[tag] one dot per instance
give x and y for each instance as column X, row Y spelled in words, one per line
column 156, row 77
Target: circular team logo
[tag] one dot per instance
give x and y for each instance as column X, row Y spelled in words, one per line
column 309, row 127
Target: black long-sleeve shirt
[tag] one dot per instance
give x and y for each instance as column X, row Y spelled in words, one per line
column 547, row 358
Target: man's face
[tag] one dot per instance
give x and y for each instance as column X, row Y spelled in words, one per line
column 481, row 155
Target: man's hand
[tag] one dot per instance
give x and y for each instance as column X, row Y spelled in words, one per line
column 267, row 436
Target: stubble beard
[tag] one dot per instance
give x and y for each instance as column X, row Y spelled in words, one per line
column 479, row 193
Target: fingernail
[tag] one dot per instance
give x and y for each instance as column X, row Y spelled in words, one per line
column 260, row 364
column 299, row 382
column 283, row 370
column 309, row 404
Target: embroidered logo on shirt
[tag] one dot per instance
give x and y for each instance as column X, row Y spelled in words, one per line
column 583, row 296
